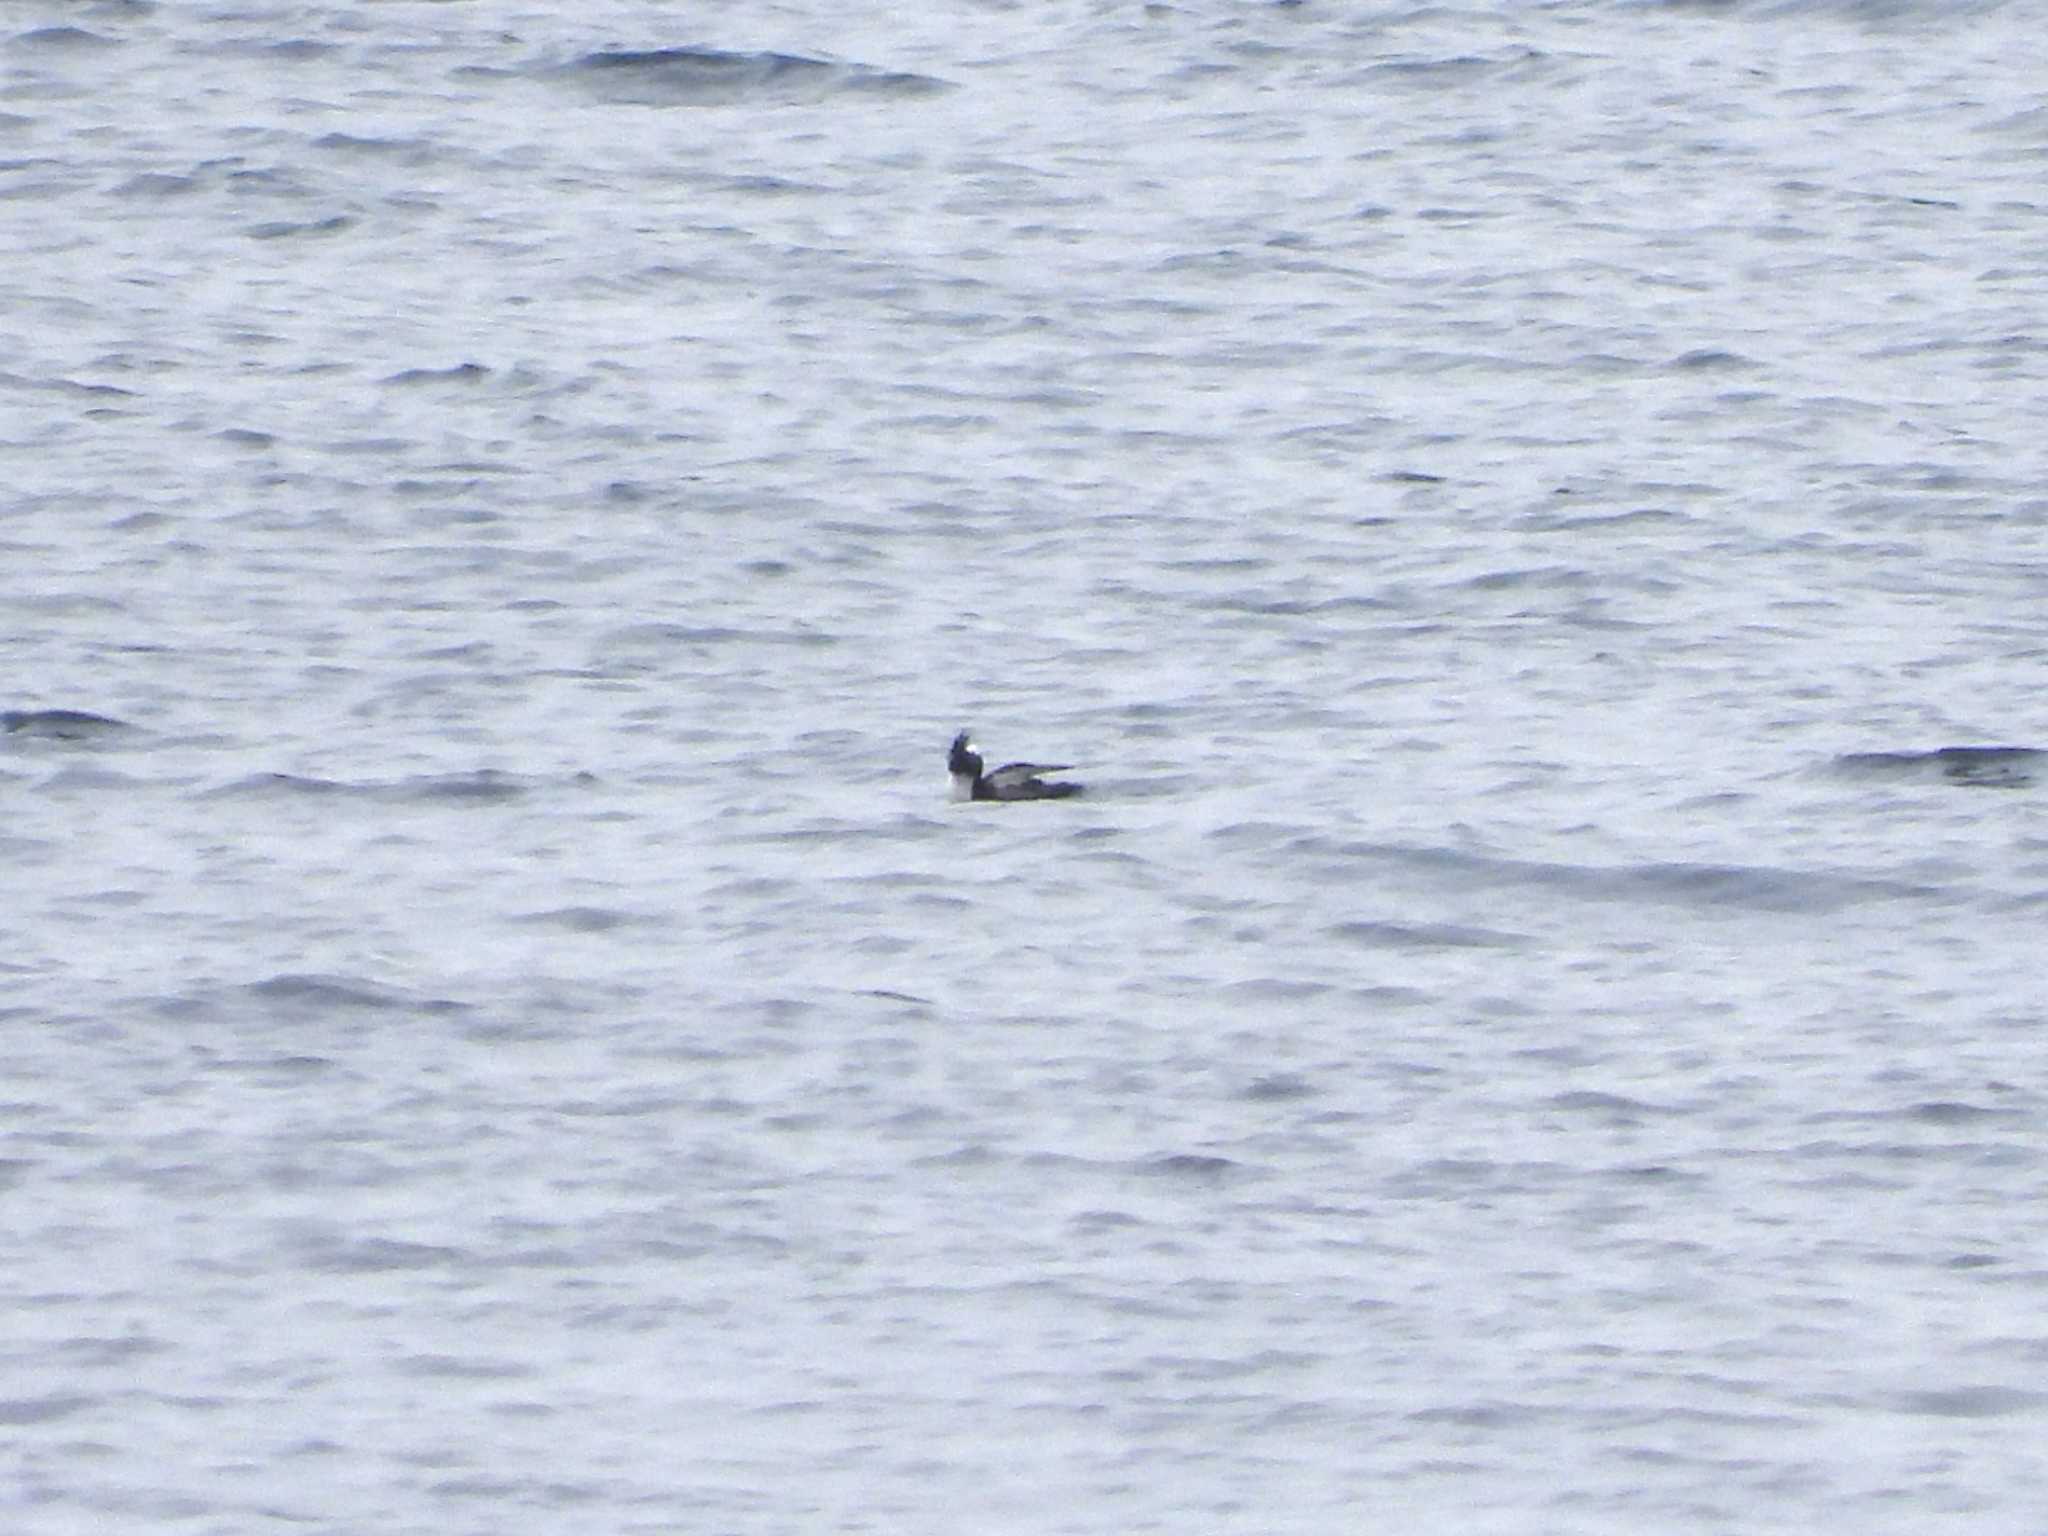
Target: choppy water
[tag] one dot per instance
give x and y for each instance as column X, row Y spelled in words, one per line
column 1529, row 1030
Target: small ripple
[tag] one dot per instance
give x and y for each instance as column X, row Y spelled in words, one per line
column 158, row 184
column 62, row 38
column 327, row 992
column 378, row 1255
column 266, row 784
column 581, row 919
column 285, row 229
column 1952, row 1112
column 1615, row 1106
column 1927, row 1112
column 42, row 1410
column 1981, row 1402
column 304, row 993
column 1761, row 888
column 458, row 373
column 1190, row 1165
column 456, row 1368
column 1423, row 936
column 484, row 786
column 1711, row 359
column 1275, row 989
column 1278, row 1088
column 1488, row 1416
column 665, row 635
column 407, row 150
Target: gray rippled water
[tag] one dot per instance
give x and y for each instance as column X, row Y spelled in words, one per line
column 1522, row 516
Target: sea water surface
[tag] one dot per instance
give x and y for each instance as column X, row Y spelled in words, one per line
column 1510, row 509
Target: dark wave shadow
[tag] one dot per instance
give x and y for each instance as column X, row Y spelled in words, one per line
column 60, row 724
column 308, row 994
column 1423, row 936
column 484, row 787
column 1967, row 767
column 1758, row 888
column 710, row 77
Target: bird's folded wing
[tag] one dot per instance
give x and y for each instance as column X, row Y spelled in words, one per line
column 1022, row 773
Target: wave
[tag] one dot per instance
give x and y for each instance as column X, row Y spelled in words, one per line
column 60, row 724
column 302, row 993
column 1422, row 936
column 1968, row 767
column 582, row 919
column 1761, row 888
column 699, row 77
column 484, row 786
column 327, row 992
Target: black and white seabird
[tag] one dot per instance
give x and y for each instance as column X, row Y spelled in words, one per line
column 1012, row 781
